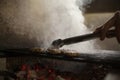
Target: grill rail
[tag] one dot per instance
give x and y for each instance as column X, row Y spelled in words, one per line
column 102, row 57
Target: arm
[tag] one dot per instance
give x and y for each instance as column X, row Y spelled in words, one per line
column 113, row 22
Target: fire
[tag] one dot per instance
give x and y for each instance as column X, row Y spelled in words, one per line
column 40, row 72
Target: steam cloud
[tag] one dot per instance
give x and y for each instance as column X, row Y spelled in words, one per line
column 36, row 23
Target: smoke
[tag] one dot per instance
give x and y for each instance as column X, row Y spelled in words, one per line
column 36, row 23
column 83, row 3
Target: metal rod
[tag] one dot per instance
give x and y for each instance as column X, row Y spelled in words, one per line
column 100, row 57
column 61, row 42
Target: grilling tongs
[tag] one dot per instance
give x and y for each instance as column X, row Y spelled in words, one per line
column 72, row 40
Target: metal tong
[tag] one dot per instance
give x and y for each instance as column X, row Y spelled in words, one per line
column 72, row 40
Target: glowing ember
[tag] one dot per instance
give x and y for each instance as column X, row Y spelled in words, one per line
column 40, row 72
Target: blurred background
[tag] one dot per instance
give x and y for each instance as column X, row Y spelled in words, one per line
column 99, row 11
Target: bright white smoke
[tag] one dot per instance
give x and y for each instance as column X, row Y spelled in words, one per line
column 36, row 23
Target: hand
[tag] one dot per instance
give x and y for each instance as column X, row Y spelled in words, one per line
column 113, row 22
column 117, row 27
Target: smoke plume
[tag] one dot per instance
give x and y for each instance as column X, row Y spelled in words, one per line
column 36, row 23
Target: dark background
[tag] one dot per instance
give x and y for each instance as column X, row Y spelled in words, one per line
column 98, row 6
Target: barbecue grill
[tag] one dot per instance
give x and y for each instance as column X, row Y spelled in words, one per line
column 101, row 61
column 29, row 61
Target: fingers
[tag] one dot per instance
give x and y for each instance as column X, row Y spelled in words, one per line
column 105, row 28
column 103, row 33
column 118, row 36
column 99, row 31
column 117, row 29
